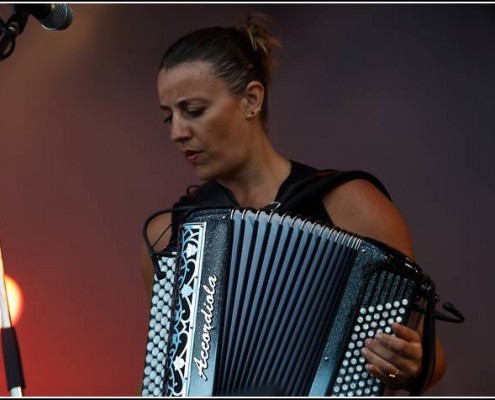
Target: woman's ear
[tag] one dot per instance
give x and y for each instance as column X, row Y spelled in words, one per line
column 254, row 96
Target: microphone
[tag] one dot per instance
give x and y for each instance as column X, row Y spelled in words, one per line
column 54, row 16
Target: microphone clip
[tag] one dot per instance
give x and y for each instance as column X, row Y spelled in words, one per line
column 10, row 30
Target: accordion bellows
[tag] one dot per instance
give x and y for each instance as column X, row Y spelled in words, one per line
column 254, row 302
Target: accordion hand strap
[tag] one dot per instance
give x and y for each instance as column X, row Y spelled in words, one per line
column 456, row 316
column 428, row 342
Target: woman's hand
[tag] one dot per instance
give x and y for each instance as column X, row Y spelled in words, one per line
column 395, row 360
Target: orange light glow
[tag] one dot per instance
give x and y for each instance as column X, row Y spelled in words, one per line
column 14, row 296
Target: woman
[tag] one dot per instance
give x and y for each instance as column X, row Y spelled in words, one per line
column 213, row 89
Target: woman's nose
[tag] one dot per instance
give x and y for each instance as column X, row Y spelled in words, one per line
column 180, row 131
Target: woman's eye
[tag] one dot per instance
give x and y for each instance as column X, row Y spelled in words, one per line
column 195, row 113
column 167, row 120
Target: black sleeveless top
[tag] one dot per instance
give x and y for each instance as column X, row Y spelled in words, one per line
column 300, row 194
column 301, row 177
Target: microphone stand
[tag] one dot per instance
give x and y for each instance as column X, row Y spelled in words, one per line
column 8, row 33
column 10, row 346
column 11, row 355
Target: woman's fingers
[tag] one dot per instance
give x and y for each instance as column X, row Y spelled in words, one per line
column 396, row 360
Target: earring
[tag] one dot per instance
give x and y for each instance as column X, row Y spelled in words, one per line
column 252, row 113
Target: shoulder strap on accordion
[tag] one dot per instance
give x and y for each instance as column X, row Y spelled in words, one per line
column 319, row 184
column 208, row 194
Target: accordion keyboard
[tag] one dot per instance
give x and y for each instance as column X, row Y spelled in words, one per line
column 353, row 379
column 159, row 328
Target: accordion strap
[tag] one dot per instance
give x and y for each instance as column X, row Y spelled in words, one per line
column 420, row 384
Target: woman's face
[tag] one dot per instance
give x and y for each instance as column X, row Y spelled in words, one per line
column 206, row 121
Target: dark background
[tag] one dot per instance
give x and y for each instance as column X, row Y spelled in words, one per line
column 406, row 92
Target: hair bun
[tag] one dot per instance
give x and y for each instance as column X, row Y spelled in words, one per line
column 261, row 39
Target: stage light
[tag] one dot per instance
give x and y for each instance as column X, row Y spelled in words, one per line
column 15, row 299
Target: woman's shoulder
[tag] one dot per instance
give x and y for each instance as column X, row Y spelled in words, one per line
column 306, row 182
column 362, row 205
column 355, row 179
column 333, row 177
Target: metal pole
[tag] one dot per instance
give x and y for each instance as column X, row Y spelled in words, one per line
column 11, row 354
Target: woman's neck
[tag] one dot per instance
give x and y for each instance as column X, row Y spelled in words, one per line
column 259, row 181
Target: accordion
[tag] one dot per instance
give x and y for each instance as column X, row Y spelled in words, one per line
column 248, row 300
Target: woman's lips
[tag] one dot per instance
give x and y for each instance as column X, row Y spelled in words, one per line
column 192, row 155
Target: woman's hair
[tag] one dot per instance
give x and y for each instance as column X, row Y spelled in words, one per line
column 238, row 54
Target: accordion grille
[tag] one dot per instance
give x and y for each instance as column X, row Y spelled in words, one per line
column 277, row 297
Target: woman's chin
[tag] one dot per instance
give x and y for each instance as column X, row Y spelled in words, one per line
column 204, row 173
